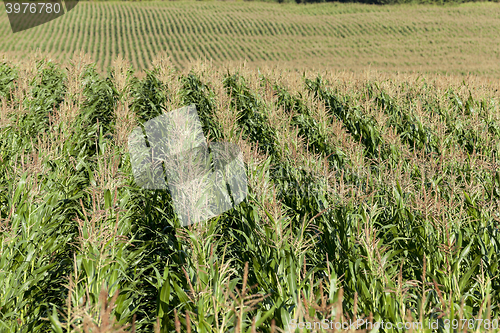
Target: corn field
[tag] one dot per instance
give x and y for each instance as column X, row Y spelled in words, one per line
column 371, row 196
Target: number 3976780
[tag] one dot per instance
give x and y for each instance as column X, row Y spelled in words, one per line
column 32, row 8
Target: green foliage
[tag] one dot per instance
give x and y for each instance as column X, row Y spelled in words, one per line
column 251, row 120
column 360, row 126
column 96, row 118
column 7, row 77
column 308, row 126
column 47, row 91
column 75, row 228
column 394, row 2
column 196, row 92
column 409, row 127
column 149, row 97
column 101, row 96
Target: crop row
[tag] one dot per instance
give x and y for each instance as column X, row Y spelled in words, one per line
column 257, row 32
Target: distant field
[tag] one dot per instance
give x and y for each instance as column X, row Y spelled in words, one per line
column 455, row 39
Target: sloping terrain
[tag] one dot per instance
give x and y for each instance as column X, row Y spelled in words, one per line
column 457, row 39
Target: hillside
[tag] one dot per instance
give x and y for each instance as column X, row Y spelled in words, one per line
column 455, row 39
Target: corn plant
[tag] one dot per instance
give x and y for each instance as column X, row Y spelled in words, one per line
column 409, row 233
